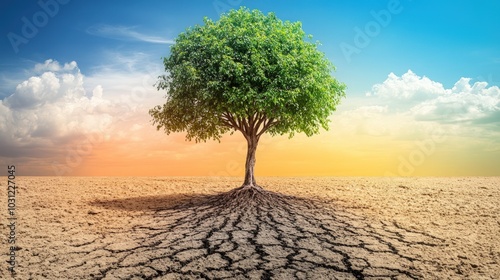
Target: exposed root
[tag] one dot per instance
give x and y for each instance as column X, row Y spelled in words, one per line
column 244, row 197
column 253, row 195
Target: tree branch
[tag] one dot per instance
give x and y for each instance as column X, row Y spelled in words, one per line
column 251, row 122
column 249, row 126
column 244, row 122
column 267, row 124
column 261, row 119
column 228, row 120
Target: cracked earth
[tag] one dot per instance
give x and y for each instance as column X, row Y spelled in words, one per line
column 102, row 229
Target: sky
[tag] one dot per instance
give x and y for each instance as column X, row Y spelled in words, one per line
column 423, row 99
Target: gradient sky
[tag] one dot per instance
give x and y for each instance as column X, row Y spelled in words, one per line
column 423, row 97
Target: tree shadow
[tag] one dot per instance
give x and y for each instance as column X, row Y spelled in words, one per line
column 185, row 201
column 154, row 202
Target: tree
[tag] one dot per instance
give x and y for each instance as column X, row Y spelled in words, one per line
column 246, row 72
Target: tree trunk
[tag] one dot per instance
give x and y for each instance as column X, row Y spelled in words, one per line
column 250, row 162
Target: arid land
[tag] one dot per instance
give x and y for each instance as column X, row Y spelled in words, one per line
column 321, row 228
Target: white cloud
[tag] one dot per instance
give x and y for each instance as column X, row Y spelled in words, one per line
column 59, row 107
column 463, row 103
column 54, row 66
column 408, row 86
column 35, row 91
column 427, row 100
column 407, row 106
column 97, row 92
column 51, row 107
column 125, row 33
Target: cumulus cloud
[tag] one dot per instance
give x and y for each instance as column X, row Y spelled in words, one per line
column 51, row 112
column 411, row 106
column 408, row 86
column 427, row 100
column 49, row 108
column 97, row 92
column 463, row 104
column 54, row 66
column 51, row 86
column 53, row 119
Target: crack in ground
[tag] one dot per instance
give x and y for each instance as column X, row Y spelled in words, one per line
column 286, row 238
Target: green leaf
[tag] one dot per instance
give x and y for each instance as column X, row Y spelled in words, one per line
column 246, row 64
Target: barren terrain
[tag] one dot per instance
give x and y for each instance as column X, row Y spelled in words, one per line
column 325, row 228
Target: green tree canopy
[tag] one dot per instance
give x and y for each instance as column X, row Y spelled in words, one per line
column 246, row 72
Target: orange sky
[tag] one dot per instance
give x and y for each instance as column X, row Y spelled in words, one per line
column 327, row 154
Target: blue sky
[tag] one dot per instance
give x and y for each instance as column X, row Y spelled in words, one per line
column 444, row 40
column 447, row 48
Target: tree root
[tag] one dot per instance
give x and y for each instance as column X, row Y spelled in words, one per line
column 246, row 196
column 254, row 195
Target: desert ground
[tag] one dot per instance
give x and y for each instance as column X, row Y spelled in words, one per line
column 321, row 228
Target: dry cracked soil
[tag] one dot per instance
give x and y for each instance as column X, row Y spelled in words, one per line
column 111, row 233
